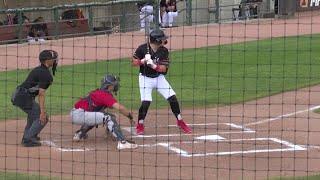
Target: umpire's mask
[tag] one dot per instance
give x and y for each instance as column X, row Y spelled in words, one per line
column 49, row 55
column 110, row 79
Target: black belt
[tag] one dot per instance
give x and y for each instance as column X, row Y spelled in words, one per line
column 26, row 90
column 23, row 89
column 150, row 76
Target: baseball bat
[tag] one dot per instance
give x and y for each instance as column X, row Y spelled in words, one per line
column 147, row 26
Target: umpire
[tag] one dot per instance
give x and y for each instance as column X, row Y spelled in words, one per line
column 24, row 95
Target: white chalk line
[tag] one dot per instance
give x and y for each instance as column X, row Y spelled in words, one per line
column 310, row 146
column 242, row 130
column 282, row 116
column 292, row 147
column 169, row 145
column 54, row 146
column 129, row 129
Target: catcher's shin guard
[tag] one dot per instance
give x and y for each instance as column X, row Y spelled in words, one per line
column 114, row 128
column 84, row 130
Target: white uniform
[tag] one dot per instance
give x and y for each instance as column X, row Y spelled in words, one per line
column 147, row 84
column 146, row 16
column 167, row 18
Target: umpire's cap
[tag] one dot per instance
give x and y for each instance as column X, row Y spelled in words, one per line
column 48, row 54
column 157, row 36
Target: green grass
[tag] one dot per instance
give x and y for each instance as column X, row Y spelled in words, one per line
column 21, row 176
column 317, row 110
column 204, row 77
column 317, row 177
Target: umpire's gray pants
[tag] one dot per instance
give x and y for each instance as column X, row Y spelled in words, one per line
column 33, row 126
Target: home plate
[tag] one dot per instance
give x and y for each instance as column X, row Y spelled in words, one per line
column 210, row 137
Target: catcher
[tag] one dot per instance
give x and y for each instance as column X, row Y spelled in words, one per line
column 89, row 112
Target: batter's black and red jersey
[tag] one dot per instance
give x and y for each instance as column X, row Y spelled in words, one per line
column 160, row 57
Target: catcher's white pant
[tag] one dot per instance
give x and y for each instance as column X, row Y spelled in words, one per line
column 147, row 84
column 80, row 116
column 167, row 18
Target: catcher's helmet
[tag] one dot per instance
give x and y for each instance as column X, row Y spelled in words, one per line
column 110, row 79
column 157, row 36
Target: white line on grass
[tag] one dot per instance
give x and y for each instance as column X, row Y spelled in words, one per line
column 310, row 146
column 282, row 116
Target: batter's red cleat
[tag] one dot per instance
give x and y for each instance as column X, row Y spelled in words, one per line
column 181, row 124
column 140, row 129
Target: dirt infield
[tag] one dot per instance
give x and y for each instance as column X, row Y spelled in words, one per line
column 272, row 136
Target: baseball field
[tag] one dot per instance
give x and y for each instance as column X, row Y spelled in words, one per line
column 248, row 90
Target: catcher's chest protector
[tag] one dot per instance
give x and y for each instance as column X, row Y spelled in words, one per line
column 92, row 106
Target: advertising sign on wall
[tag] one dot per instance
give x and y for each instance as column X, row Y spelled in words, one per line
column 309, row 3
column 304, row 3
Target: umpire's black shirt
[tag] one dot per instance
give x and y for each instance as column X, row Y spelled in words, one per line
column 39, row 77
column 160, row 57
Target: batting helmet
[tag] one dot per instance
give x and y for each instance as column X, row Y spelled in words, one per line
column 157, row 36
column 108, row 80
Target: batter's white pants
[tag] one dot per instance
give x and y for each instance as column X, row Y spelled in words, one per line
column 167, row 18
column 159, row 83
column 81, row 117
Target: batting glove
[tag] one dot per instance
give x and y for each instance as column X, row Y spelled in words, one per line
column 147, row 57
column 143, row 61
column 151, row 64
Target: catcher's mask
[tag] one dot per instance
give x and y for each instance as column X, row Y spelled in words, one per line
column 49, row 55
column 108, row 80
column 158, row 37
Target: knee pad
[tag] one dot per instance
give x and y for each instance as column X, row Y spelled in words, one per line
column 109, row 115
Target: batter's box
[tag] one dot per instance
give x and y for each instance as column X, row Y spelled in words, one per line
column 197, row 129
column 275, row 145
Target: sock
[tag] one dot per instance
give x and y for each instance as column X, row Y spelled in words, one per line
column 179, row 117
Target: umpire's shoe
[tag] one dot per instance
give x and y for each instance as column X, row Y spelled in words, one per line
column 30, row 143
column 79, row 135
column 37, row 138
